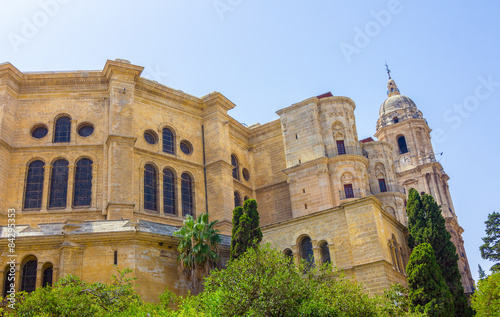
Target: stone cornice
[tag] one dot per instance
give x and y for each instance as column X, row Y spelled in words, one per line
column 216, row 98
column 113, row 68
column 12, row 73
column 417, row 121
column 316, row 101
column 152, row 90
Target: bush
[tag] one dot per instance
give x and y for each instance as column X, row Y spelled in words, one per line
column 262, row 282
column 71, row 296
column 486, row 299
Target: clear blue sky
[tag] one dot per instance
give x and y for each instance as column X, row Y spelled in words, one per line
column 266, row 55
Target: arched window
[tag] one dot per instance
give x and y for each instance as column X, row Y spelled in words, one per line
column 289, row 254
column 59, row 184
column 62, row 131
column 83, row 183
column 168, row 192
column 325, row 253
column 47, row 275
column 187, row 194
column 34, row 185
column 395, row 119
column 28, row 278
column 150, row 188
column 234, row 163
column 402, row 145
column 237, row 199
column 306, row 250
column 168, row 141
column 6, row 282
column 246, row 198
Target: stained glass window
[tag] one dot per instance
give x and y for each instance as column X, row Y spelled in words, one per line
column 83, row 183
column 59, row 184
column 150, row 187
column 187, row 194
column 168, row 192
column 168, row 141
column 28, row 279
column 34, row 185
column 62, row 131
column 234, row 163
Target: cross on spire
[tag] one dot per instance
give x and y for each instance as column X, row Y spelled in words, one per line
column 388, row 70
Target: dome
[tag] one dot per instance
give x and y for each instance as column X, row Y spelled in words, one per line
column 394, row 103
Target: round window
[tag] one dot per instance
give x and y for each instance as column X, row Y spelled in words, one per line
column 186, row 147
column 150, row 137
column 39, row 132
column 246, row 174
column 85, row 130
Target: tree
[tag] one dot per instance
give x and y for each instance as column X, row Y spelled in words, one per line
column 237, row 213
column 428, row 292
column 490, row 250
column 482, row 275
column 197, row 248
column 486, row 298
column 261, row 282
column 427, row 225
column 246, row 231
column 71, row 296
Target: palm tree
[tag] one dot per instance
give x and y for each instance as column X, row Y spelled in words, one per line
column 198, row 248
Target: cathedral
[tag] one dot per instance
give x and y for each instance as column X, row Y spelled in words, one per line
column 99, row 168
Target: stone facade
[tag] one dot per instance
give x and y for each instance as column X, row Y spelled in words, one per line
column 158, row 153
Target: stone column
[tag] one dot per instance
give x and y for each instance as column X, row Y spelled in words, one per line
column 55, row 274
column 39, row 274
column 94, row 185
column 178, row 198
column 160, row 196
column 120, row 143
column 18, row 277
column 296, row 254
column 46, row 181
column 71, row 185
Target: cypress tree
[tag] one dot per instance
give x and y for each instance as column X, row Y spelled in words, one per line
column 428, row 292
column 427, row 225
column 490, row 250
column 246, row 231
column 237, row 212
column 250, row 207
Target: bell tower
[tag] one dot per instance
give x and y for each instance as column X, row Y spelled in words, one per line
column 402, row 125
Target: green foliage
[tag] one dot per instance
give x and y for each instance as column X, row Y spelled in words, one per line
column 482, row 275
column 490, row 250
column 71, row 296
column 427, row 225
column 428, row 293
column 237, row 213
column 246, row 231
column 198, row 248
column 261, row 282
column 486, row 299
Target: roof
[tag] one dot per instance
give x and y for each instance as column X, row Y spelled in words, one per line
column 325, row 95
column 366, row 140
